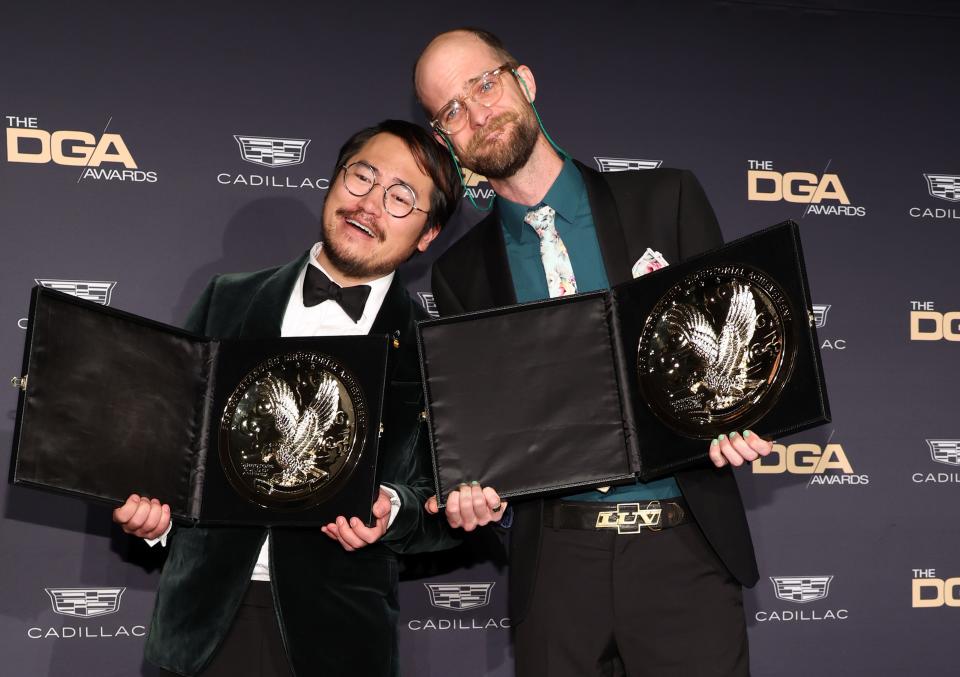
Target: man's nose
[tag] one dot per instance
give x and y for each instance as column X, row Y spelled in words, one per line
column 372, row 202
column 477, row 113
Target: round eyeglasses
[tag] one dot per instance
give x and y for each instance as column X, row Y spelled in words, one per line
column 486, row 90
column 399, row 200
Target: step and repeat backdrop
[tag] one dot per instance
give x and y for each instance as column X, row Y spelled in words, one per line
column 148, row 147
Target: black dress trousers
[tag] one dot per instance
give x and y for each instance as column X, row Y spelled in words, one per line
column 651, row 604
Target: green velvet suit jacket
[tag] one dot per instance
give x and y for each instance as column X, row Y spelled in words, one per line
column 318, row 588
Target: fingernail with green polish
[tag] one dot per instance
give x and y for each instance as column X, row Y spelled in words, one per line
column 474, row 484
column 715, row 441
column 747, row 433
column 722, row 436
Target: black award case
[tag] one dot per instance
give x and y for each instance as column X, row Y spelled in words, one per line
column 547, row 397
column 113, row 404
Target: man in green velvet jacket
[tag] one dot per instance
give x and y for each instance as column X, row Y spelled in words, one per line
column 330, row 607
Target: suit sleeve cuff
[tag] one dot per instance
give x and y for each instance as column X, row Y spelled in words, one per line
column 161, row 539
column 395, row 504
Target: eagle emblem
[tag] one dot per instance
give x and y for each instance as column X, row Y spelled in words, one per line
column 302, row 433
column 723, row 353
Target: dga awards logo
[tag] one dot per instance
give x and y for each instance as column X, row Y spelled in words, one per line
column 945, row 452
column 820, row 312
column 827, row 465
column 476, row 186
column 929, row 324
column 103, row 157
column 89, row 290
column 459, row 599
column 85, row 604
column 801, row 590
column 274, row 153
column 429, row 305
column 932, row 592
column 824, row 195
column 621, row 164
column 942, row 187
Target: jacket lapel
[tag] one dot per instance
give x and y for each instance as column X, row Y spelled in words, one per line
column 265, row 313
column 396, row 319
column 494, row 251
column 606, row 218
column 394, row 315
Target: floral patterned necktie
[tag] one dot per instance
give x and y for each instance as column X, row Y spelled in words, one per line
column 556, row 261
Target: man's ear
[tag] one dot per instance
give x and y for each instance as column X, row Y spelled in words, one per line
column 528, row 85
column 428, row 237
column 446, row 143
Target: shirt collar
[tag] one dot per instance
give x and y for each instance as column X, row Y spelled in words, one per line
column 564, row 195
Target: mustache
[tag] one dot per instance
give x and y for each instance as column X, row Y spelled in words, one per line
column 493, row 125
column 355, row 215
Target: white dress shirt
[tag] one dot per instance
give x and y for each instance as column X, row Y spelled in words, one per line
column 324, row 319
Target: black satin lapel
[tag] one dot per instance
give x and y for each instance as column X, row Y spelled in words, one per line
column 394, row 314
column 494, row 251
column 265, row 313
column 606, row 218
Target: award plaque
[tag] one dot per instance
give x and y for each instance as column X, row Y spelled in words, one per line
column 291, row 433
column 716, row 350
column 628, row 384
column 227, row 431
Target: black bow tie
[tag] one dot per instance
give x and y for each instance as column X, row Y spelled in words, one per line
column 318, row 288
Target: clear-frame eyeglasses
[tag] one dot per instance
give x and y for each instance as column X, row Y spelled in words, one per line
column 485, row 90
column 399, row 200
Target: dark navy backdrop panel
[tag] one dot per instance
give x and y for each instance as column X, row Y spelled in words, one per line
column 149, row 147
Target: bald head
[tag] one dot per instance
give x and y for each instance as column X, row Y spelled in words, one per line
column 450, row 52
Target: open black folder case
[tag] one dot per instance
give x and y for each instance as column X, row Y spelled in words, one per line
column 113, row 404
column 545, row 397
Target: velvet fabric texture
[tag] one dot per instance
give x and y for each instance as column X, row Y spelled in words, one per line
column 337, row 610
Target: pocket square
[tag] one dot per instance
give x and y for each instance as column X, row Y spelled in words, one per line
column 649, row 262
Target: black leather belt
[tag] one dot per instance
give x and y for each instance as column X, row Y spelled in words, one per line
column 630, row 517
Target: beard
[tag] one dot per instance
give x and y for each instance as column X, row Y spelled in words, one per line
column 354, row 265
column 511, row 152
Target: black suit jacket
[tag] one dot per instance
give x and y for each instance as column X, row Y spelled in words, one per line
column 665, row 210
column 208, row 569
